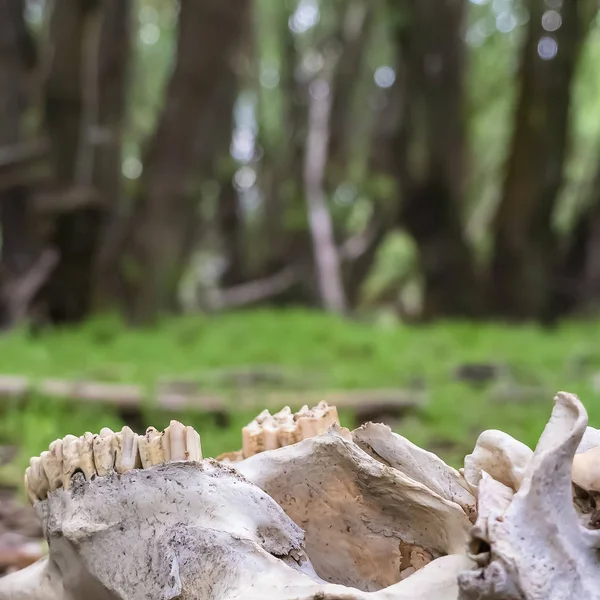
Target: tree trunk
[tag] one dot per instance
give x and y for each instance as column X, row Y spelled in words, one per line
column 354, row 38
column 78, row 85
column 524, row 244
column 329, row 275
column 165, row 218
column 429, row 150
column 113, row 72
column 19, row 245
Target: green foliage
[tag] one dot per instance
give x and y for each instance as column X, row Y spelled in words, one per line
column 322, row 352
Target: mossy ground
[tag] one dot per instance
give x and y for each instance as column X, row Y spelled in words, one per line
column 316, row 351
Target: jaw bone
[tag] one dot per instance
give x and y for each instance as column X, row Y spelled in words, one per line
column 375, row 509
column 108, row 452
column 367, row 525
column 140, row 535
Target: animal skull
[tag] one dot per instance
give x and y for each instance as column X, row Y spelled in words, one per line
column 309, row 510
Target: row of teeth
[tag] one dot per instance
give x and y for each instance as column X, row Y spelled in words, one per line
column 268, row 432
column 99, row 455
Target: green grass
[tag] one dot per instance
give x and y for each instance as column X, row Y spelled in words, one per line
column 319, row 351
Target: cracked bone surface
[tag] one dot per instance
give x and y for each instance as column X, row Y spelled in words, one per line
column 360, row 516
column 529, row 543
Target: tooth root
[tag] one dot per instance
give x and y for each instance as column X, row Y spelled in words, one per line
column 126, row 450
column 193, row 445
column 28, row 489
column 52, row 464
column 151, row 448
column 104, row 451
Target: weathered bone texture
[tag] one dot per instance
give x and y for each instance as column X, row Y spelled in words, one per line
column 338, row 516
column 187, row 530
column 395, row 451
column 367, row 525
column 529, row 543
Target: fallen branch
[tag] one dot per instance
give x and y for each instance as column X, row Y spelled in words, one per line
column 179, row 396
column 255, row 291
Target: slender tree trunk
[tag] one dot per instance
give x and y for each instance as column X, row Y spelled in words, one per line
column 165, row 213
column 524, row 244
column 429, row 151
column 329, row 275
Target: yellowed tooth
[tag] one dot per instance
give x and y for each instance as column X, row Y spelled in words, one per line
column 174, row 441
column 126, row 450
column 38, row 480
column 270, row 434
column 253, row 439
column 316, row 420
column 70, row 450
column 289, row 433
column 78, row 455
column 86, row 455
column 263, row 416
column 330, row 416
column 193, row 445
column 52, row 463
column 284, row 415
column 151, row 448
column 104, row 451
column 28, row 489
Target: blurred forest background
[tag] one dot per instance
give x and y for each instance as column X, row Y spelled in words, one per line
column 276, row 191
column 209, row 207
column 436, row 158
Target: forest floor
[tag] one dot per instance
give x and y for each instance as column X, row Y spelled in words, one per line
column 474, row 377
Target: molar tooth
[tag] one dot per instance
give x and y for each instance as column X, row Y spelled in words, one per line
column 52, row 463
column 126, row 448
column 317, row 420
column 151, row 448
column 289, row 433
column 253, row 439
column 104, row 451
column 174, row 441
column 38, row 480
column 78, row 455
column 270, row 434
column 193, row 444
column 70, row 452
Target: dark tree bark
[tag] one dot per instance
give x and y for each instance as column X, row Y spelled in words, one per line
column 524, row 257
column 19, row 245
column 429, row 150
column 577, row 273
column 113, row 71
column 84, row 104
column 165, row 218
